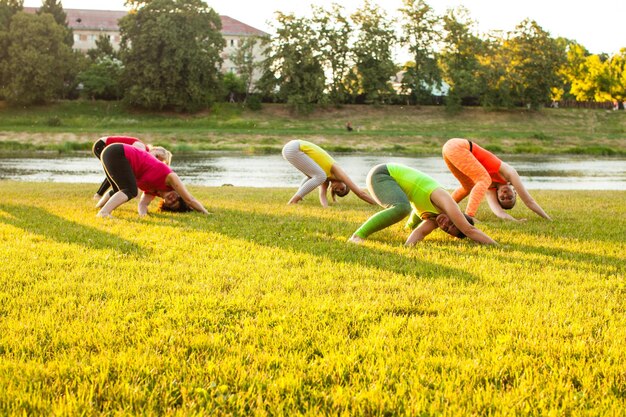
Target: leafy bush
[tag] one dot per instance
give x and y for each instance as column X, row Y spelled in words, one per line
column 101, row 81
column 254, row 103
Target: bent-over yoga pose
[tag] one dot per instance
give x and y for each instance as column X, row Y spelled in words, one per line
column 159, row 153
column 322, row 171
column 405, row 191
column 129, row 169
column 481, row 173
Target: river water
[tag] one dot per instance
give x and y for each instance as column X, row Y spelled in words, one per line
column 216, row 169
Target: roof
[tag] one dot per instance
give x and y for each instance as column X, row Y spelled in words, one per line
column 232, row 26
column 106, row 20
column 80, row 19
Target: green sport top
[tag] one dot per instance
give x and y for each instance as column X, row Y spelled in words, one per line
column 417, row 186
column 319, row 155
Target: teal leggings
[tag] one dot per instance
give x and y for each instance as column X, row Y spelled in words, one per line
column 389, row 195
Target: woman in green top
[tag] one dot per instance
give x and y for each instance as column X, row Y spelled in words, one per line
column 403, row 191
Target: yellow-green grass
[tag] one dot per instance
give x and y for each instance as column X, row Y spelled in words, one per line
column 264, row 309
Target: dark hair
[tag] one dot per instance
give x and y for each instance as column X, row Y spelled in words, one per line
column 182, row 206
column 470, row 220
column 343, row 193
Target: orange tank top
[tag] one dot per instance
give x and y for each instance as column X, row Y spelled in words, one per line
column 489, row 161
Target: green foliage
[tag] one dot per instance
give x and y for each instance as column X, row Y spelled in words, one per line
column 293, row 70
column 535, row 62
column 102, row 80
column 104, row 49
column 617, row 75
column 420, row 34
column 171, row 54
column 459, row 58
column 7, row 9
column 38, row 62
column 254, row 103
column 373, row 47
column 247, row 67
column 333, row 31
column 233, row 85
column 55, row 8
column 264, row 309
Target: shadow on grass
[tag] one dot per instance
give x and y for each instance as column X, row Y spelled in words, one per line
column 593, row 262
column 41, row 222
column 298, row 233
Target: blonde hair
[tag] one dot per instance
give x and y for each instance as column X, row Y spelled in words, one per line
column 161, row 154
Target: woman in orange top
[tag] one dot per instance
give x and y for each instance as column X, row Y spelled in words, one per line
column 481, row 173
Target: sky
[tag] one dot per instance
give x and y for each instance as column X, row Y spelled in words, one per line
column 597, row 25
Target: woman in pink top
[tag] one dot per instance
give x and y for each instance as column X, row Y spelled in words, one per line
column 130, row 169
column 159, row 153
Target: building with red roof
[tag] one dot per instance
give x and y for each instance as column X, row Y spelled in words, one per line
column 89, row 25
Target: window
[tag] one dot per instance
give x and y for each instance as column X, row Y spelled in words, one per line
column 232, row 42
column 83, row 37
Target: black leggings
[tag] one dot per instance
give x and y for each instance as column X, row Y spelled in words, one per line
column 118, row 170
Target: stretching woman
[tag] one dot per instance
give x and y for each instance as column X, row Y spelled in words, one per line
column 129, row 168
column 159, row 153
column 480, row 172
column 402, row 191
column 322, row 171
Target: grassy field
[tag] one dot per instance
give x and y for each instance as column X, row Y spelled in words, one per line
column 264, row 309
column 73, row 126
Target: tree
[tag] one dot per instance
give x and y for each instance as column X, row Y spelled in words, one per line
column 293, row 70
column 104, row 49
column 234, row 86
column 8, row 8
column 459, row 58
column 55, row 8
column 374, row 64
column 38, row 59
column 588, row 76
column 333, row 31
column 171, row 54
column 616, row 66
column 536, row 59
column 494, row 78
column 246, row 65
column 101, row 80
column 420, row 34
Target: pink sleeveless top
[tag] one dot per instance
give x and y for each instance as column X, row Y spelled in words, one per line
column 150, row 173
column 121, row 139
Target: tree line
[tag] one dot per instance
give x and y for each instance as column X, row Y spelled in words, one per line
column 170, row 58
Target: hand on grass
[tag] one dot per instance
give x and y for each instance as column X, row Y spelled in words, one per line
column 355, row 239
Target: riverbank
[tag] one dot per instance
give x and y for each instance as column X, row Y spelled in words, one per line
column 416, row 130
column 263, row 308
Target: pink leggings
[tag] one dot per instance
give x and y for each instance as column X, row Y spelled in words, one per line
column 474, row 178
